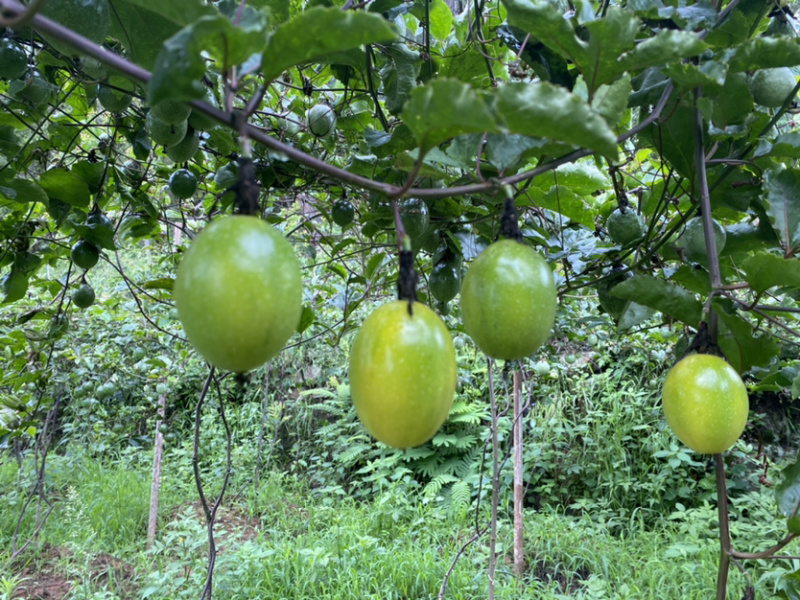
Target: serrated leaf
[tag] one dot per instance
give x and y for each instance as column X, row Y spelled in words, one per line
column 609, row 38
column 182, row 61
column 98, row 234
column 505, row 150
column 787, row 492
column 444, row 109
column 674, row 139
column 548, row 25
column 782, row 199
column 65, row 186
column 611, row 101
column 766, row 52
column 318, row 32
column 666, row 46
column 399, row 75
column 765, row 270
column 550, row 111
column 563, row 200
column 23, row 190
column 667, row 297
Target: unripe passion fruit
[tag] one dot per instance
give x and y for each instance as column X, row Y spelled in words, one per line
column 705, row 403
column 115, row 95
column 171, row 112
column 508, row 300
column 83, row 297
column 445, row 281
column 238, row 293
column 342, row 213
column 402, row 374
column 693, row 240
column 624, row 228
column 185, row 149
column 415, row 217
column 321, row 120
column 771, row 87
column 183, row 184
column 165, row 134
column 13, row 60
column 84, row 254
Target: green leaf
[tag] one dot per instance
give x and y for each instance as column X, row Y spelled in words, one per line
column 441, row 20
column 665, row 47
column 609, row 38
column 743, row 348
column 782, row 199
column 65, row 186
column 306, row 319
column 674, row 139
column 182, row 61
column 547, row 24
column 142, row 31
column 162, row 283
column 504, row 151
column 13, row 285
column 23, row 190
column 565, row 201
column 180, row 12
column 321, row 31
column 765, row 270
column 549, row 111
column 667, row 297
column 399, row 75
column 611, row 101
column 444, row 109
column 787, row 492
column 766, row 53
column 786, row 144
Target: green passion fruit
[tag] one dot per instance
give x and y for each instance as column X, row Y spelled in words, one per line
column 402, row 374
column 624, row 228
column 183, row 184
column 508, row 300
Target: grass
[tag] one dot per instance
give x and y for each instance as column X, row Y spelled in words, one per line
column 287, row 542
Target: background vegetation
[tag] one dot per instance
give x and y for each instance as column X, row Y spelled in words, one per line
column 579, row 111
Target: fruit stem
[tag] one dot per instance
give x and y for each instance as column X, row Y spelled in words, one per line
column 509, row 226
column 407, row 279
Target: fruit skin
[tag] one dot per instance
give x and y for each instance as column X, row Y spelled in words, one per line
column 342, row 213
column 321, row 120
column 182, row 184
column 402, row 374
column 83, row 296
column 770, row 87
column 415, row 216
column 185, row 149
column 508, row 300
column 111, row 95
column 84, row 254
column 13, row 60
column 693, row 240
column 239, row 293
column 445, row 281
column 705, row 403
column 624, row 228
column 165, row 134
column 171, row 112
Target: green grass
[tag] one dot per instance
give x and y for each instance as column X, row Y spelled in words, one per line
column 287, row 542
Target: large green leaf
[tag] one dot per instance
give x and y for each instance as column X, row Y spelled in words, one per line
column 665, row 47
column 182, row 61
column 399, row 75
column 547, row 24
column 787, row 492
column 743, row 348
column 141, row 31
column 765, row 270
column 782, row 199
column 180, row 12
column 765, row 53
column 444, row 109
column 23, row 190
column 669, row 298
column 318, row 32
column 609, row 38
column 550, row 111
column 441, row 20
column 563, row 200
column 674, row 139
column 65, row 186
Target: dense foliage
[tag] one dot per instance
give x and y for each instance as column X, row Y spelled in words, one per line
column 649, row 148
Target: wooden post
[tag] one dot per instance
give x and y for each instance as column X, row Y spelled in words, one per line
column 519, row 537
column 155, row 484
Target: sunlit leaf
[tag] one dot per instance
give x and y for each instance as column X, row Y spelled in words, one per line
column 667, row 297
